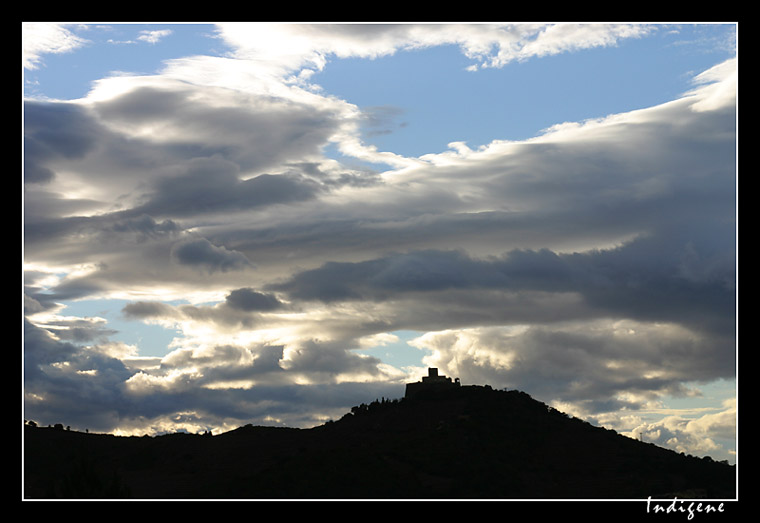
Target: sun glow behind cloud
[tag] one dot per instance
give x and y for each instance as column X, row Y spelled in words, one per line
column 591, row 265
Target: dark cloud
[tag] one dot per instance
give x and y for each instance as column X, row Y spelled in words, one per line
column 41, row 348
column 213, row 185
column 72, row 289
column 682, row 279
column 35, row 173
column 379, row 120
column 54, row 131
column 145, row 309
column 202, row 254
column 249, row 300
column 359, row 176
column 145, row 227
column 378, row 279
column 69, row 384
column 687, row 277
column 80, row 331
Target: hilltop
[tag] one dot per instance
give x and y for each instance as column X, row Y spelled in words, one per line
column 463, row 442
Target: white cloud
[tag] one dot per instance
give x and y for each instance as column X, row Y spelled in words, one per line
column 711, row 434
column 297, row 46
column 561, row 38
column 153, row 37
column 717, row 87
column 41, row 38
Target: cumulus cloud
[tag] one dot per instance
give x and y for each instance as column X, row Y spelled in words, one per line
column 710, row 434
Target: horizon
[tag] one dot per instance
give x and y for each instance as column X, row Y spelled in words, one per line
column 350, row 411
column 233, row 224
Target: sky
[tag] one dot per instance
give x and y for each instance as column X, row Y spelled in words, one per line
column 267, row 224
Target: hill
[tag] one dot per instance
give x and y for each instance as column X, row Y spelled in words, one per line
column 469, row 442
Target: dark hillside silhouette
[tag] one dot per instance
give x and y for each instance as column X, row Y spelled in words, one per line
column 458, row 442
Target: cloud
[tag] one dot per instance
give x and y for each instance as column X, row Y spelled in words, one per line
column 561, row 38
column 241, row 309
column 46, row 141
column 489, row 45
column 203, row 254
column 576, row 210
column 148, row 309
column 203, row 120
column 717, row 86
column 153, row 37
column 572, row 189
column 66, row 380
column 144, row 227
column 80, row 330
column 250, row 300
column 40, row 38
column 710, row 434
column 634, row 280
column 601, row 365
column 217, row 386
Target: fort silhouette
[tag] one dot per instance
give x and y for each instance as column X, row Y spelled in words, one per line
column 431, row 383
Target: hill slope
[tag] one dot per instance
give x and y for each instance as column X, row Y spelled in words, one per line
column 466, row 443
